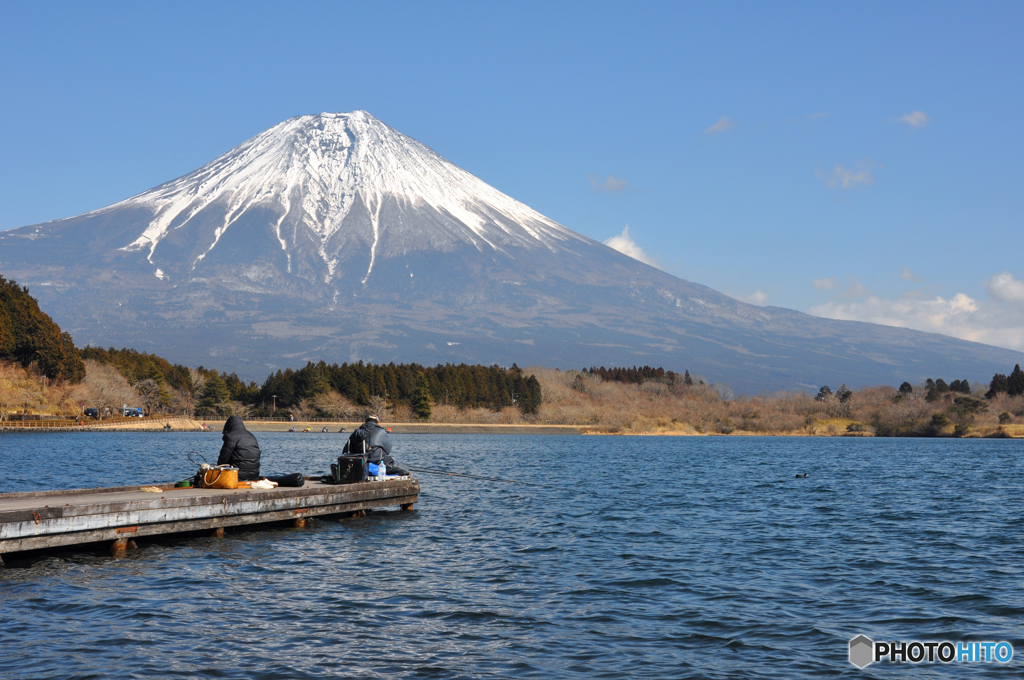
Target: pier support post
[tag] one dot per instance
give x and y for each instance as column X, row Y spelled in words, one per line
column 121, row 546
column 217, row 533
column 407, row 506
column 300, row 523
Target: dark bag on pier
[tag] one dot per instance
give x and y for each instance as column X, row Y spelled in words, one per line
column 295, row 479
column 349, row 470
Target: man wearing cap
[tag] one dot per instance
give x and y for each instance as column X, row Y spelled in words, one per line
column 377, row 443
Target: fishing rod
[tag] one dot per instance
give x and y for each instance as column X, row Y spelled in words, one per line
column 434, row 471
column 430, row 471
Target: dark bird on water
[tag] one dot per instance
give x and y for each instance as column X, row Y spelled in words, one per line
column 803, row 476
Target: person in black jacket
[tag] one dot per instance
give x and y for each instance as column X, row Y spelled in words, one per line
column 378, row 445
column 240, row 449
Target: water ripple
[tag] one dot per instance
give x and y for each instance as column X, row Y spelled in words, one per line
column 722, row 566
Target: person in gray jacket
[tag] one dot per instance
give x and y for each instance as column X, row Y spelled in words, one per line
column 377, row 445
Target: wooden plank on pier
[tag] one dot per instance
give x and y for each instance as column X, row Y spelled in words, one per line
column 31, row 521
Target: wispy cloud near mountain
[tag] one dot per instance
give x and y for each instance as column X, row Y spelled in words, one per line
column 608, row 185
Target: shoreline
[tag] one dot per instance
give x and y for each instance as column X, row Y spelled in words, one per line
column 180, row 424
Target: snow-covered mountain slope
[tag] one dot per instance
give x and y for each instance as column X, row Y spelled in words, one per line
column 335, row 237
column 310, row 172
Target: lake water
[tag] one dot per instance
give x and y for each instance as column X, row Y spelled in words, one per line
column 648, row 558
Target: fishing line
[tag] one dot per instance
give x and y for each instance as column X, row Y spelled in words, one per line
column 434, row 471
column 193, row 461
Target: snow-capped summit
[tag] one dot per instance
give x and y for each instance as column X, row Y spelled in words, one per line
column 332, row 181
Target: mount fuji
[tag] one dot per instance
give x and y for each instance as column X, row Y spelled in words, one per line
column 336, row 237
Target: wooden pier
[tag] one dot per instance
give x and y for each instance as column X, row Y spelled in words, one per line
column 41, row 520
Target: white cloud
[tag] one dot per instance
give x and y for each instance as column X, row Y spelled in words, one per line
column 755, row 298
column 842, row 177
column 990, row 321
column 609, row 185
column 724, row 124
column 625, row 244
column 916, row 119
column 907, row 274
column 855, row 290
column 1005, row 287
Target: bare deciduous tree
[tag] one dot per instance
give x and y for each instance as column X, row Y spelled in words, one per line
column 334, row 405
column 187, row 399
column 241, row 410
column 303, row 410
column 149, row 392
column 401, row 413
column 378, row 407
column 106, row 389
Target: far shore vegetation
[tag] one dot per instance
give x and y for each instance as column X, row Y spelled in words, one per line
column 42, row 373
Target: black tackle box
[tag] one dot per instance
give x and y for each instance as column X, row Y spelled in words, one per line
column 349, row 470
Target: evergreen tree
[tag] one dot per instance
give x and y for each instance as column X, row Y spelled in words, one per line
column 824, row 393
column 906, row 388
column 960, row 387
column 247, row 394
column 1015, row 383
column 216, row 398
column 687, row 380
column 421, row 399
column 73, row 368
column 999, row 384
column 156, row 375
column 531, row 400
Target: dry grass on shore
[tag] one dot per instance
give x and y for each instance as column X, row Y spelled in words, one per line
column 584, row 401
column 573, row 398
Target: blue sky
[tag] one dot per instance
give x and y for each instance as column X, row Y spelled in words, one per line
column 854, row 160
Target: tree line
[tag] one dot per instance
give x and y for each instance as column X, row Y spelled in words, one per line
column 416, row 386
column 320, row 389
column 638, row 376
column 1012, row 385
